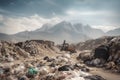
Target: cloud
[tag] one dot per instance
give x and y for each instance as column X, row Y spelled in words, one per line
column 89, row 13
column 13, row 25
column 43, row 8
column 1, row 18
column 91, row 17
column 18, row 15
column 46, row 8
column 104, row 27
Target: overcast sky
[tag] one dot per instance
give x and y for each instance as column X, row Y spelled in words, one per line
column 20, row 15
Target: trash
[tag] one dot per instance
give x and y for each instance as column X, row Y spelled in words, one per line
column 62, row 67
column 106, row 53
column 83, row 74
column 85, row 69
column 7, row 69
column 65, row 68
column 32, row 71
column 1, row 71
column 67, row 56
column 95, row 61
column 84, row 56
column 23, row 78
column 46, row 58
column 19, row 69
column 102, row 52
column 109, row 65
column 44, row 70
column 10, row 59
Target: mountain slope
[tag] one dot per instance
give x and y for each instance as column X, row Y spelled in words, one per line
column 6, row 37
column 115, row 32
column 72, row 33
column 58, row 33
column 87, row 30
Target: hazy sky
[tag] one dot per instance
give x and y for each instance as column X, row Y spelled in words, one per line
column 20, row 15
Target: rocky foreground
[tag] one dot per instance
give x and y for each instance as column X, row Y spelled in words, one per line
column 42, row 60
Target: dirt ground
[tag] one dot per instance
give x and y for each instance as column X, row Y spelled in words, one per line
column 105, row 74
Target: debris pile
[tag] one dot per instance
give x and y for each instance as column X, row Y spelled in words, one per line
column 94, row 43
column 60, row 67
column 106, row 55
column 16, row 51
column 9, row 52
column 36, row 47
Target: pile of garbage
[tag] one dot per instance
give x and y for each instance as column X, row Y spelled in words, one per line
column 9, row 52
column 93, row 43
column 16, row 51
column 106, row 55
column 48, row 68
column 37, row 47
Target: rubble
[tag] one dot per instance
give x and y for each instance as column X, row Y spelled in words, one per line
column 102, row 52
column 36, row 47
column 30, row 60
column 13, row 51
column 84, row 55
column 93, row 43
column 42, row 73
column 65, row 68
column 47, row 68
column 106, row 55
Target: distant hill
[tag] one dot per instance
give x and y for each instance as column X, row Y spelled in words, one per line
column 62, row 31
column 89, row 31
column 115, row 32
column 5, row 37
column 72, row 33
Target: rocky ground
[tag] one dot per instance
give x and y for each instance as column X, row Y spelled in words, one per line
column 42, row 60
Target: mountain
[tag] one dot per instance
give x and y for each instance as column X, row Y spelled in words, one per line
column 115, row 32
column 87, row 30
column 72, row 33
column 59, row 32
column 5, row 37
column 45, row 27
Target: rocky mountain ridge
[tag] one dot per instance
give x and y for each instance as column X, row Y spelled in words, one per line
column 59, row 32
